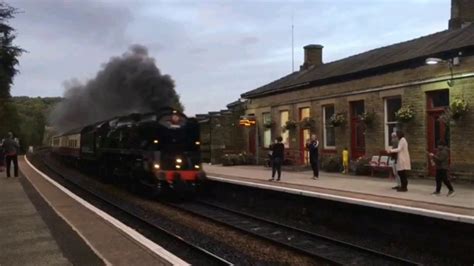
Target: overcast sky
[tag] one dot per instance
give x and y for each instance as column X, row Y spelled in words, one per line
column 214, row 50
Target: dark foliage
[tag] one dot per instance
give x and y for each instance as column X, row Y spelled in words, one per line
column 9, row 52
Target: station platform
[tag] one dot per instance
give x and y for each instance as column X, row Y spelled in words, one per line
column 43, row 223
column 363, row 190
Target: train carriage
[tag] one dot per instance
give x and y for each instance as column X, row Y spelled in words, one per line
column 67, row 144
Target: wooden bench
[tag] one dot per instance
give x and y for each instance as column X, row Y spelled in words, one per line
column 381, row 163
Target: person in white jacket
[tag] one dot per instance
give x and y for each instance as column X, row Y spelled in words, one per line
column 403, row 160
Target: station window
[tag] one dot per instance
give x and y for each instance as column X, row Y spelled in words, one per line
column 329, row 133
column 392, row 105
column 304, row 113
column 267, row 131
column 285, row 134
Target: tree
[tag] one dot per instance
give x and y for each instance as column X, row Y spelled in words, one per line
column 9, row 52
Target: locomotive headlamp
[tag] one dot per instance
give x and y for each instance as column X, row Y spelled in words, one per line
column 197, row 166
column 178, row 166
column 156, row 141
column 197, row 143
column 156, row 166
column 178, row 160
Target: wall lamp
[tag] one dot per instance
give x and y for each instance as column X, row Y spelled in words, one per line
column 451, row 63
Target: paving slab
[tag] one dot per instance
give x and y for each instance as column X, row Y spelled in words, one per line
column 25, row 237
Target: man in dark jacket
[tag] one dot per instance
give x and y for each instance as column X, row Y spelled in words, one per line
column 441, row 160
column 313, row 147
column 278, row 154
column 11, row 147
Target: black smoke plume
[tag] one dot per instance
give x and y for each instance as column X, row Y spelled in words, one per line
column 131, row 83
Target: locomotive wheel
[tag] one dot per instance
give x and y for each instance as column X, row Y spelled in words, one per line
column 134, row 183
column 155, row 192
column 104, row 173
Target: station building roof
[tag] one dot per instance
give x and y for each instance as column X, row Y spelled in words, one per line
column 401, row 55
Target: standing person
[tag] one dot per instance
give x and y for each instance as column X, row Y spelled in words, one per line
column 345, row 160
column 403, row 161
column 278, row 154
column 313, row 146
column 441, row 160
column 11, row 148
column 394, row 159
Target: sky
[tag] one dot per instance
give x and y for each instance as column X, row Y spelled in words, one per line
column 214, row 50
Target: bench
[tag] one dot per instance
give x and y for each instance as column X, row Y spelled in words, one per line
column 381, row 163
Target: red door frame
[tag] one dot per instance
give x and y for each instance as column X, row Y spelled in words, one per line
column 432, row 116
column 356, row 124
column 252, row 143
column 302, row 149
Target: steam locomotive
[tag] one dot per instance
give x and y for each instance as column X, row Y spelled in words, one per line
column 157, row 151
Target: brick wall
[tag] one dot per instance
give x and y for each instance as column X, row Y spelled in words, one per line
column 411, row 84
column 222, row 133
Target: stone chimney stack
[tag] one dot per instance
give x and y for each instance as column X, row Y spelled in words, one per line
column 462, row 13
column 313, row 56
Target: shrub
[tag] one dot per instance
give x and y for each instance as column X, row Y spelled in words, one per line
column 226, row 161
column 307, row 123
column 458, row 108
column 331, row 163
column 290, row 125
column 368, row 117
column 237, row 159
column 360, row 166
column 337, row 119
column 268, row 124
column 405, row 114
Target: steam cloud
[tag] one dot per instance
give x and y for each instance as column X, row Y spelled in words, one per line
column 127, row 84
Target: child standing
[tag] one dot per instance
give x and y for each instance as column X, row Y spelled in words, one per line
column 345, row 160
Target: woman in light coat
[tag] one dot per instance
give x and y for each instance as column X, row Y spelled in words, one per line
column 403, row 160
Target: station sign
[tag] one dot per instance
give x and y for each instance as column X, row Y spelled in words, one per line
column 247, row 121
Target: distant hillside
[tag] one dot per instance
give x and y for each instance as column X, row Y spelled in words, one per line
column 27, row 118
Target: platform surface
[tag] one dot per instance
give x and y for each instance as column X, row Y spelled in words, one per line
column 359, row 188
column 24, row 237
column 32, row 240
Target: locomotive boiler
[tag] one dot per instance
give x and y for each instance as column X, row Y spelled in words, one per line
column 157, row 151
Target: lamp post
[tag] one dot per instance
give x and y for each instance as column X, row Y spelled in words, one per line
column 451, row 63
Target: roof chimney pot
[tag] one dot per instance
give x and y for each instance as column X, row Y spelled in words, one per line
column 313, row 56
column 462, row 14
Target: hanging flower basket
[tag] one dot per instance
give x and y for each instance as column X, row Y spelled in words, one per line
column 307, row 123
column 268, row 124
column 446, row 117
column 367, row 118
column 458, row 108
column 337, row 119
column 290, row 124
column 405, row 114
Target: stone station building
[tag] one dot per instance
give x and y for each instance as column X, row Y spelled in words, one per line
column 374, row 85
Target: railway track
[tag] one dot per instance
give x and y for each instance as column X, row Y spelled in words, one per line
column 323, row 248
column 192, row 253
